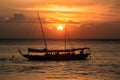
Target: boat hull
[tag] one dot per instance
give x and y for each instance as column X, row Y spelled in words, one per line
column 56, row 57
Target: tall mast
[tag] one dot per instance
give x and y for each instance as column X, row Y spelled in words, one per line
column 65, row 37
column 42, row 30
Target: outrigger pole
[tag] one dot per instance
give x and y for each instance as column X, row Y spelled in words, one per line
column 42, row 30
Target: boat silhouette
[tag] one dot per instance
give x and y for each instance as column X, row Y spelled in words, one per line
column 55, row 54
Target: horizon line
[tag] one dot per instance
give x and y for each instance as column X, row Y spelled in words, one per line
column 59, row 39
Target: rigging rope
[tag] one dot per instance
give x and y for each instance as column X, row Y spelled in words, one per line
column 42, row 30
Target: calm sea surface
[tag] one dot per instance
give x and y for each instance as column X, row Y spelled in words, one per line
column 104, row 64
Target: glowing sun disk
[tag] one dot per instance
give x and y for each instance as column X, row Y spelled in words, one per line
column 60, row 27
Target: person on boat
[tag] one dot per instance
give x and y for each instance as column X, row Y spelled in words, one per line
column 68, row 53
column 57, row 53
column 73, row 53
column 47, row 54
column 82, row 52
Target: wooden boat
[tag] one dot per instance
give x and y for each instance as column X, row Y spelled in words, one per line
column 56, row 54
column 44, row 54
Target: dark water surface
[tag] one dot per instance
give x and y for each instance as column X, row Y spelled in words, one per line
column 104, row 65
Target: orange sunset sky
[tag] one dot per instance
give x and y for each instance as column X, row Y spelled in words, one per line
column 82, row 18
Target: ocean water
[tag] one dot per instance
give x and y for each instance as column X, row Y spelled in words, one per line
column 103, row 65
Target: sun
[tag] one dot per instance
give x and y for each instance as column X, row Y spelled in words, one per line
column 60, row 27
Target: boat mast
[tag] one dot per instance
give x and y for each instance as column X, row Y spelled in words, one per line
column 42, row 30
column 65, row 38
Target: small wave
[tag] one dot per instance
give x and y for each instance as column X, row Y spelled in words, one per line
column 6, row 59
column 3, row 59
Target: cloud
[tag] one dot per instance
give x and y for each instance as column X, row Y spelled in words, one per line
column 87, row 6
column 106, row 12
column 100, row 30
column 85, row 30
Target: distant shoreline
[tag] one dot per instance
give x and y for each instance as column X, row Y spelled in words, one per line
column 100, row 39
